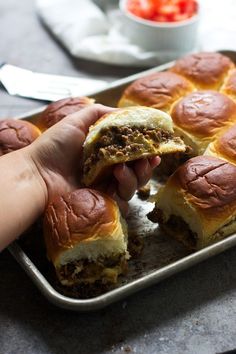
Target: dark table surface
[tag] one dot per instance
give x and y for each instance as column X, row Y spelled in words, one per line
column 193, row 312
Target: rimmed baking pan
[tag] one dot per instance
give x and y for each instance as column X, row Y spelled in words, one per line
column 161, row 258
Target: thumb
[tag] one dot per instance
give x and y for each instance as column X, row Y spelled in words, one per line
column 87, row 116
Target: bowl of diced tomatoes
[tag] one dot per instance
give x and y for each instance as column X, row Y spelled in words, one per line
column 168, row 26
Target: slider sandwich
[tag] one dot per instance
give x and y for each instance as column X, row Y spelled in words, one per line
column 125, row 135
column 206, row 70
column 159, row 90
column 197, row 206
column 201, row 117
column 224, row 147
column 86, row 238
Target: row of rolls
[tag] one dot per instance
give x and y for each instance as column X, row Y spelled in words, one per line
column 186, row 114
column 197, row 204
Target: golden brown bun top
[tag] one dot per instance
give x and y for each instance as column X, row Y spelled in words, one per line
column 160, row 89
column 209, row 182
column 81, row 215
column 58, row 110
column 16, row 134
column 204, row 112
column 226, row 144
column 205, row 70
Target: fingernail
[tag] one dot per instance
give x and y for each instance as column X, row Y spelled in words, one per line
column 123, row 167
column 119, row 171
column 155, row 161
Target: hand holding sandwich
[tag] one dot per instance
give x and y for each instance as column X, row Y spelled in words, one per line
column 51, row 165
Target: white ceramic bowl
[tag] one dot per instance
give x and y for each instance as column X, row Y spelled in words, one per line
column 171, row 38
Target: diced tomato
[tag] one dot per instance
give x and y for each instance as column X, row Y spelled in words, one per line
column 135, row 11
column 189, row 7
column 163, row 10
column 167, row 10
column 180, row 17
column 147, row 9
column 157, row 3
column 142, row 8
column 160, row 18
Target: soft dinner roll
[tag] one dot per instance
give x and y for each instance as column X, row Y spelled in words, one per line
column 198, row 203
column 159, row 90
column 86, row 238
column 205, row 70
column 201, row 116
column 125, row 135
column 224, row 146
column 16, row 134
column 229, row 87
column 58, row 110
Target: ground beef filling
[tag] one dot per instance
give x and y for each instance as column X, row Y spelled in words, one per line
column 221, row 232
column 105, row 270
column 125, row 140
column 176, row 227
column 170, row 162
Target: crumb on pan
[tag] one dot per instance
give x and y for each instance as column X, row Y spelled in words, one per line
column 144, row 192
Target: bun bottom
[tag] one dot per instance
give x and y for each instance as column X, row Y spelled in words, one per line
column 177, row 228
column 105, row 270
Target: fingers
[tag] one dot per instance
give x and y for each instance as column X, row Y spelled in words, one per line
column 127, row 181
column 87, row 116
column 143, row 171
column 130, row 179
column 154, row 161
column 123, row 205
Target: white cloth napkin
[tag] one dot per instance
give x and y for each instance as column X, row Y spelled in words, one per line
column 90, row 33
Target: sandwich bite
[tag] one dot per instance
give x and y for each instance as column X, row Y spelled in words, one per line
column 125, row 135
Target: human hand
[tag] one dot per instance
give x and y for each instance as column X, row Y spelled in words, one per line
column 128, row 178
column 57, row 154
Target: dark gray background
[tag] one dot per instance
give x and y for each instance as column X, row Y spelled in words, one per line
column 193, row 312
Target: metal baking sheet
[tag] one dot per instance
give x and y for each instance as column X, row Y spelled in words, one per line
column 161, row 257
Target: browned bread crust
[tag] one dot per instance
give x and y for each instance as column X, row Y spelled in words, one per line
column 159, row 90
column 197, row 205
column 16, row 134
column 203, row 113
column 84, row 214
column 206, row 70
column 209, row 182
column 58, row 110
